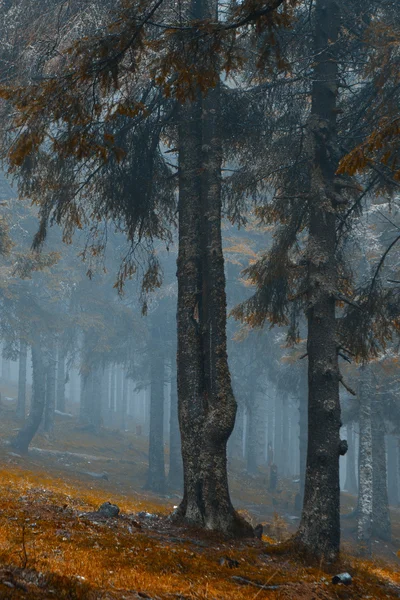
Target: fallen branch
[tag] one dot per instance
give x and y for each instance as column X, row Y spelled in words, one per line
column 243, row 581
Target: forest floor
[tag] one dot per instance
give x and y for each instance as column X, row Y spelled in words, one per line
column 53, row 543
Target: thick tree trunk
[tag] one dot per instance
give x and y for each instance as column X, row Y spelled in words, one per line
column 393, row 475
column 50, row 391
column 21, row 402
column 27, row 433
column 365, row 468
column 207, row 407
column 175, row 474
column 351, row 477
column 61, row 378
column 156, row 473
column 381, row 525
column 319, row 530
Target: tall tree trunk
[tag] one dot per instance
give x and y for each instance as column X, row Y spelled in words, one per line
column 285, row 468
column 156, row 472
column 26, row 434
column 124, row 403
column 84, row 407
column 260, row 430
column 175, row 474
column 21, row 402
column 351, row 477
column 251, row 441
column 61, row 378
column 393, row 475
column 319, row 530
column 381, row 525
column 278, row 437
column 50, row 391
column 207, row 406
column 118, row 395
column 365, row 468
column 96, row 399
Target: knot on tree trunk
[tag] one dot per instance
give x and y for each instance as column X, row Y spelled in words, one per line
column 343, row 447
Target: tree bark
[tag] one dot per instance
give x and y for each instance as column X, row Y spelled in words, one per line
column 156, row 472
column 365, row 486
column 175, row 474
column 207, row 406
column 381, row 525
column 351, row 477
column 26, row 434
column 21, row 402
column 319, row 531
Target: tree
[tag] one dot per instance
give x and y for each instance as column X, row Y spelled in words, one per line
column 116, row 138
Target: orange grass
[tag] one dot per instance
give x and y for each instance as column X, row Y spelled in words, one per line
column 41, row 524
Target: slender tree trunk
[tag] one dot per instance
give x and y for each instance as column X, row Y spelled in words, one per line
column 393, row 476
column 319, row 530
column 175, row 474
column 84, row 407
column 21, row 402
column 50, row 391
column 285, row 437
column 26, row 434
column 156, row 473
column 112, row 388
column 118, row 395
column 61, row 378
column 351, row 478
column 124, row 406
column 365, row 486
column 96, row 399
column 207, row 406
column 278, row 437
column 251, row 441
column 381, row 525
column 260, row 430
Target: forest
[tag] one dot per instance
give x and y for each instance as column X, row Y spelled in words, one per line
column 199, row 299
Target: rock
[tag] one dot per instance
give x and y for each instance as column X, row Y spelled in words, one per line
column 258, row 531
column 146, row 515
column 108, row 510
column 344, row 578
column 225, row 561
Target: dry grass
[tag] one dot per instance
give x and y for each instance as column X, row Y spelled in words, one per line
column 49, row 547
